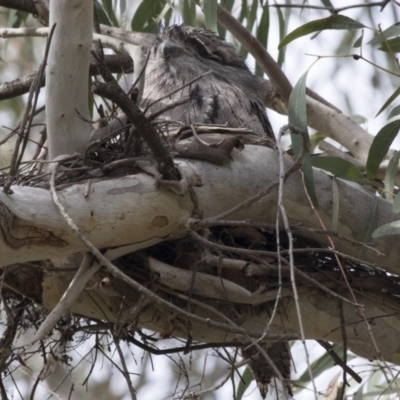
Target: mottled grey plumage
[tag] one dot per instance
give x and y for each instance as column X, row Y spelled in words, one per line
column 279, row 352
column 229, row 95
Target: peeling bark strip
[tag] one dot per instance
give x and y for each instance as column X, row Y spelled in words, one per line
column 16, row 234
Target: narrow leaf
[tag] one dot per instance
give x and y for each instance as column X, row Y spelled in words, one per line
column 244, row 383
column 338, row 167
column 327, row 3
column 228, row 5
column 102, row 15
column 380, row 146
column 393, row 30
column 210, row 14
column 390, row 176
column 282, row 31
column 187, row 9
column 394, row 112
column 146, row 15
column 262, row 35
column 389, row 101
column 298, row 118
column 392, row 228
column 359, row 41
column 391, row 45
column 108, row 7
column 336, row 22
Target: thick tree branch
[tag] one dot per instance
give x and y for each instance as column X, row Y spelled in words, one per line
column 67, row 74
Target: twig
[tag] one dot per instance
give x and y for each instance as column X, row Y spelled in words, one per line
column 112, row 91
column 329, row 348
column 28, row 114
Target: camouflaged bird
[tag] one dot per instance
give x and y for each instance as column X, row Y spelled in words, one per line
column 229, row 94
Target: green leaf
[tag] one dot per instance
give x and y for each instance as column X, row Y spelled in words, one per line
column 209, row 8
column 243, row 11
column 108, row 7
column 389, row 101
column 244, row 383
column 392, row 228
column 380, row 146
column 358, row 42
column 315, row 139
column 282, row 31
column 262, row 35
column 228, row 5
column 298, row 118
column 390, row 175
column 338, row 167
column 252, row 15
column 394, row 112
column 396, row 204
column 393, row 30
column 321, row 365
column 335, row 22
column 102, row 15
column 391, row 45
column 327, row 3
column 145, row 18
column 187, row 9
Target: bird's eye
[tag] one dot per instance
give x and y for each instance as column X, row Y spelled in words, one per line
column 169, row 48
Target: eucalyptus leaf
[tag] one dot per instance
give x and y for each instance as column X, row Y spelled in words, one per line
column 359, row 41
column 187, row 9
column 392, row 228
column 338, row 167
column 391, row 45
column 389, row 101
column 109, row 9
column 394, row 112
column 335, row 22
column 244, row 383
column 298, row 118
column 327, row 3
column 102, row 15
column 393, row 30
column 380, row 146
column 146, row 16
column 210, row 14
column 262, row 34
column 282, row 31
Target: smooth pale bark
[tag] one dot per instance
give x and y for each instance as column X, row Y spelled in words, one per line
column 135, row 209
column 67, row 72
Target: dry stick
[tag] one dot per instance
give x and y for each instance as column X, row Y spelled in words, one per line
column 163, row 304
column 260, row 252
column 359, row 307
column 112, row 91
column 281, row 212
column 330, row 350
column 125, row 371
column 293, row 228
column 334, row 10
column 34, row 90
column 78, row 283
